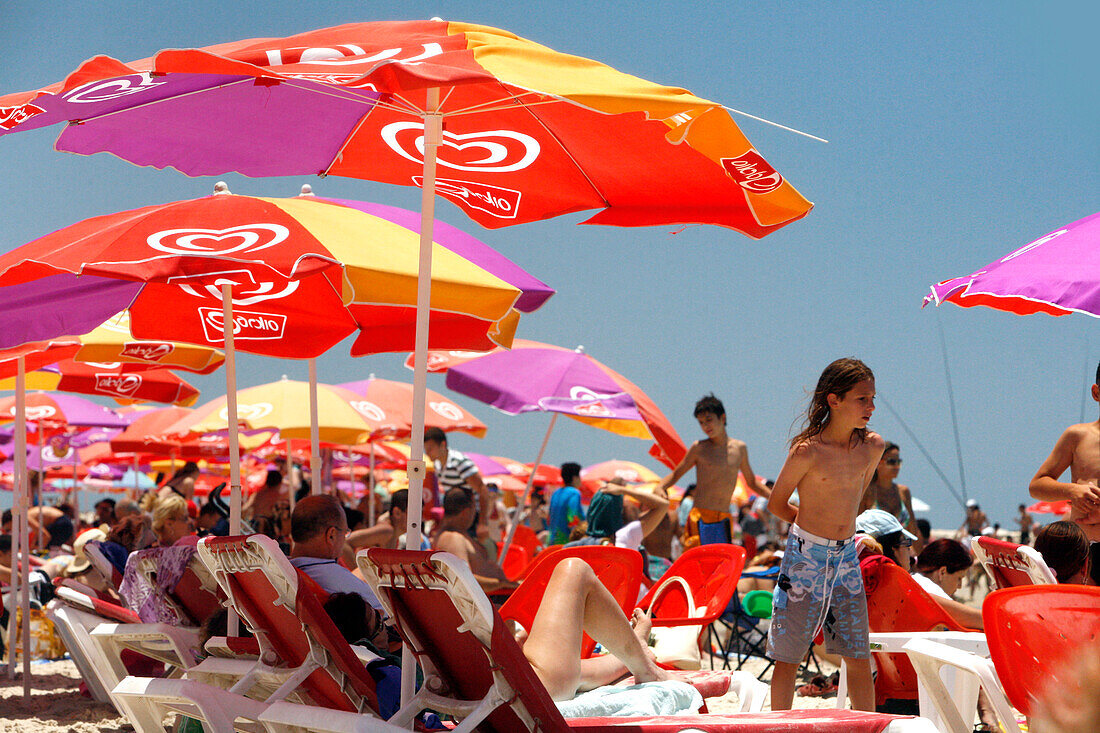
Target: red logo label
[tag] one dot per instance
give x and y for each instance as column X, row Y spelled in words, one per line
column 147, row 350
column 123, row 385
column 493, row 200
column 592, row 409
column 247, row 325
column 752, row 172
column 12, row 116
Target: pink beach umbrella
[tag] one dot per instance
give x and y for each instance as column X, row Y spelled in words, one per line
column 1057, row 274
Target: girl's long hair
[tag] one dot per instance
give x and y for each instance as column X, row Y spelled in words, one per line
column 838, row 378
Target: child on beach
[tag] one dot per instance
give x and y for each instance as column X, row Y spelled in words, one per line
column 717, row 461
column 820, row 586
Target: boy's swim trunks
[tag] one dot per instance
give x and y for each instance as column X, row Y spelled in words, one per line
column 819, row 585
column 690, row 537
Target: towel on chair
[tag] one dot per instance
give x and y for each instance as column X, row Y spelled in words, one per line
column 669, row 697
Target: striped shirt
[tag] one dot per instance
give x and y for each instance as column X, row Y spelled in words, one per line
column 453, row 474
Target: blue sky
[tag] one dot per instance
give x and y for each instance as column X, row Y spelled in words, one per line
column 957, row 132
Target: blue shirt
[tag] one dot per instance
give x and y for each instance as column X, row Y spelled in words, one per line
column 565, row 513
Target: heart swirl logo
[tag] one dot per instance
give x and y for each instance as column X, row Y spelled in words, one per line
column 123, row 385
column 249, row 413
column 487, row 151
column 242, row 239
column 369, row 410
column 446, row 410
column 101, row 91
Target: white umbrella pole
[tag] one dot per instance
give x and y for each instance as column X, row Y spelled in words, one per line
column 25, row 566
column 314, row 432
column 433, row 133
column 134, row 468
column 526, row 492
column 234, row 444
column 370, row 488
column 20, row 535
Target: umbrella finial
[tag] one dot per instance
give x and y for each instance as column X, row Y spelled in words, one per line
column 579, row 349
column 221, row 187
column 307, row 190
column 437, row 19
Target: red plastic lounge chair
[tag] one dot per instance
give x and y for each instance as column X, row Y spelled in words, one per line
column 1034, row 633
column 479, row 674
column 618, row 568
column 192, row 598
column 895, row 602
column 1010, row 565
column 304, row 663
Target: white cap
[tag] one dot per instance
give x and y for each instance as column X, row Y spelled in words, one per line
column 970, row 503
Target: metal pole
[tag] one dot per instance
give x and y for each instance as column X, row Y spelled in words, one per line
column 25, row 567
column 526, row 493
column 370, row 488
column 234, row 443
column 314, row 431
column 433, row 133
column 21, row 540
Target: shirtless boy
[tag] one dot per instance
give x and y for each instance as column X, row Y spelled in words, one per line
column 1078, row 449
column 716, row 461
column 819, row 586
column 458, row 516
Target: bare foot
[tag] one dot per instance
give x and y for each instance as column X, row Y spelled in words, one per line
column 642, row 624
column 650, row 671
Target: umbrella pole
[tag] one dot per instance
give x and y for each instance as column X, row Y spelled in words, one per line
column 314, row 432
column 25, row 567
column 433, row 133
column 370, row 487
column 21, row 537
column 234, row 443
column 526, row 492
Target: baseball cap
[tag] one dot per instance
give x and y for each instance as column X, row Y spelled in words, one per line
column 80, row 561
column 877, row 523
column 971, row 503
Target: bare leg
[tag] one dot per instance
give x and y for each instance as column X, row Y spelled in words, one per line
column 861, row 684
column 783, row 675
column 576, row 600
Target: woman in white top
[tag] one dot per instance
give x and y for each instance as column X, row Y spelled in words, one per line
column 941, row 566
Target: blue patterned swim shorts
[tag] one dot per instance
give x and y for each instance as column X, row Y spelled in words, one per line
column 819, row 586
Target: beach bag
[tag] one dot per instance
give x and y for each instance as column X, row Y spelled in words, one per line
column 45, row 643
column 677, row 646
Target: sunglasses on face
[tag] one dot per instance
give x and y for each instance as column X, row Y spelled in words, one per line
column 905, row 542
column 893, row 461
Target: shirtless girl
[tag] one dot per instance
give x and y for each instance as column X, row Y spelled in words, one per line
column 819, row 586
column 717, row 461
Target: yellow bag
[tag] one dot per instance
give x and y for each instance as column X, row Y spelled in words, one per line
column 45, row 642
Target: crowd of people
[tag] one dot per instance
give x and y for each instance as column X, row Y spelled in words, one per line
column 834, row 511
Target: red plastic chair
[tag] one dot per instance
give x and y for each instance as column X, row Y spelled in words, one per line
column 516, row 561
column 895, row 602
column 711, row 573
column 528, row 539
column 1010, row 565
column 618, row 568
column 1034, row 631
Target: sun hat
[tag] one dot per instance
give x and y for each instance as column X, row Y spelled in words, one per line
column 877, row 523
column 80, row 561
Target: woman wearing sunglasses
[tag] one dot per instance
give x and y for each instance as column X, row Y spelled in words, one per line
column 885, row 494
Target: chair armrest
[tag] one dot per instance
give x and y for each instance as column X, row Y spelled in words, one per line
column 173, row 645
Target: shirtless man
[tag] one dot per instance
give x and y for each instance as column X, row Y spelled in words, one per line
column 1078, row 449
column 262, row 503
column 716, row 461
column 458, row 515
